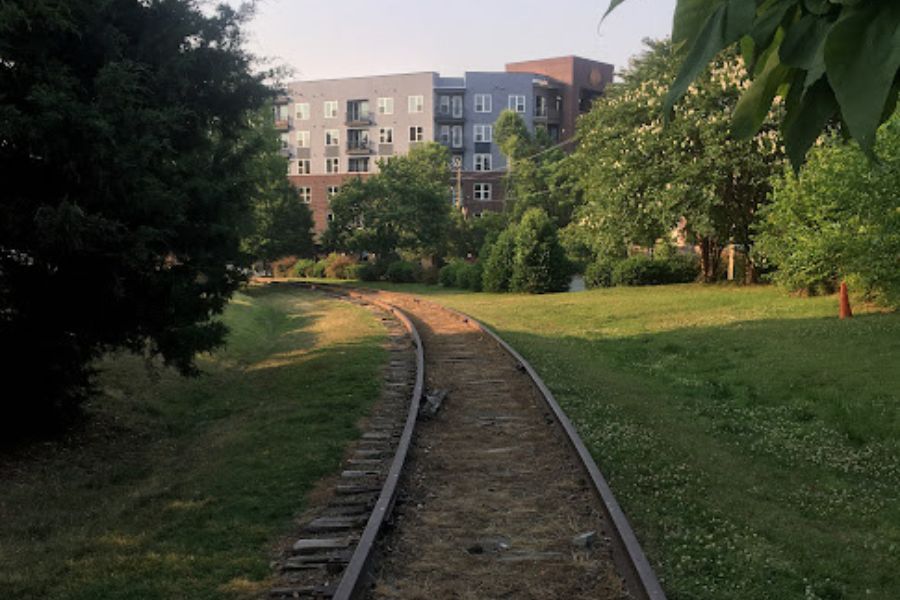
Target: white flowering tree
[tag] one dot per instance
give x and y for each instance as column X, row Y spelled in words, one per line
column 641, row 180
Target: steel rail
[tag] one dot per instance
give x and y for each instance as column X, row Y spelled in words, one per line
column 355, row 579
column 635, row 569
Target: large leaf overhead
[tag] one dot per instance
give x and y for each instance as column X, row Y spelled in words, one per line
column 832, row 58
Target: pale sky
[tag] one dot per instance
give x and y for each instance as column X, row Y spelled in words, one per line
column 321, row 39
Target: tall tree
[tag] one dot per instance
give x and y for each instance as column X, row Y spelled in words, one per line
column 826, row 59
column 281, row 224
column 128, row 176
column 642, row 180
column 405, row 206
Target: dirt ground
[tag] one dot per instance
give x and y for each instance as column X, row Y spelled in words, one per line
column 492, row 497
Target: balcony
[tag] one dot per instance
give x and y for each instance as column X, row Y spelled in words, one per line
column 358, row 148
column 449, row 116
column 359, row 120
column 283, row 124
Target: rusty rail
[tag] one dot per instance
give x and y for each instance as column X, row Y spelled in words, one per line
column 632, row 563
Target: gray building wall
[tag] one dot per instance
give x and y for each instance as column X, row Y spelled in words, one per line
column 316, row 93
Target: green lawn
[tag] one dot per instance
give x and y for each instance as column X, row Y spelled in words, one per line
column 752, row 437
column 184, row 488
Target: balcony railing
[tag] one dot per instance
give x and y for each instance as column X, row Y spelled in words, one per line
column 283, row 124
column 360, row 147
column 359, row 119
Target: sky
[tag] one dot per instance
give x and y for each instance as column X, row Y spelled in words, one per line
column 322, row 39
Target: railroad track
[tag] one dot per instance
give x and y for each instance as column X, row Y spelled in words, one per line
column 500, row 496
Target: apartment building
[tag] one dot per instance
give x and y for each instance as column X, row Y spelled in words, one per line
column 335, row 129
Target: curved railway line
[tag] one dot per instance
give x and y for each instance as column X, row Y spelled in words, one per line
column 490, row 495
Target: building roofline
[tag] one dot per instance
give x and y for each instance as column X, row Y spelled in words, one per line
column 572, row 57
column 432, row 73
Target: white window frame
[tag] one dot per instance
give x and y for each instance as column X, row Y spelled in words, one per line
column 335, row 137
column 332, row 164
column 445, row 134
column 482, row 162
column 456, row 136
column 386, row 135
column 302, row 111
column 444, row 103
column 484, row 103
column 359, row 160
column 456, row 106
column 305, row 194
column 332, row 191
column 386, row 105
column 285, row 140
column 330, row 109
column 482, row 192
column 304, row 166
column 415, row 104
column 483, row 133
column 416, row 133
column 303, row 139
column 515, row 105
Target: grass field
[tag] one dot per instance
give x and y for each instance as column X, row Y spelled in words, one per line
column 752, row 437
column 184, row 488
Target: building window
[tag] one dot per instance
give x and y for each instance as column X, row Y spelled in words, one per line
column 330, row 216
column 416, row 134
column 386, row 135
column 303, row 167
column 457, row 107
column 385, row 106
column 332, row 137
column 457, row 135
column 358, row 165
column 540, row 106
column 483, row 191
column 358, row 110
column 445, row 134
column 333, row 191
column 482, row 162
column 483, row 103
column 292, row 167
column 303, row 139
column 416, row 104
column 305, row 194
column 357, row 139
column 285, row 141
column 444, row 105
column 332, row 165
column 517, row 103
column 303, row 111
column 331, row 109
column 484, row 133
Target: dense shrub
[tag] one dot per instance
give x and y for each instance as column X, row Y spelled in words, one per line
column 468, row 276
column 284, row 267
column 838, row 220
column 539, row 261
column 368, row 271
column 429, row 275
column 599, row 273
column 402, row 271
column 304, row 267
column 338, row 266
column 447, row 274
column 318, row 269
column 499, row 264
column 643, row 270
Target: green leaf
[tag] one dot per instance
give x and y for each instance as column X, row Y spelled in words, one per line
column 767, row 21
column 806, row 119
column 862, row 55
column 754, row 104
column 724, row 26
column 804, row 43
column 690, row 18
column 612, row 6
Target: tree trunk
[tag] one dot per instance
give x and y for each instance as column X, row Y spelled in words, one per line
column 709, row 259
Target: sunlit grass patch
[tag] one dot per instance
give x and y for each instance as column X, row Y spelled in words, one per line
column 182, row 488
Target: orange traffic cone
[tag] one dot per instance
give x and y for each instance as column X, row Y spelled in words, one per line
column 845, row 302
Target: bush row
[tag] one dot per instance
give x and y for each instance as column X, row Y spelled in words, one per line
column 462, row 274
column 642, row 270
